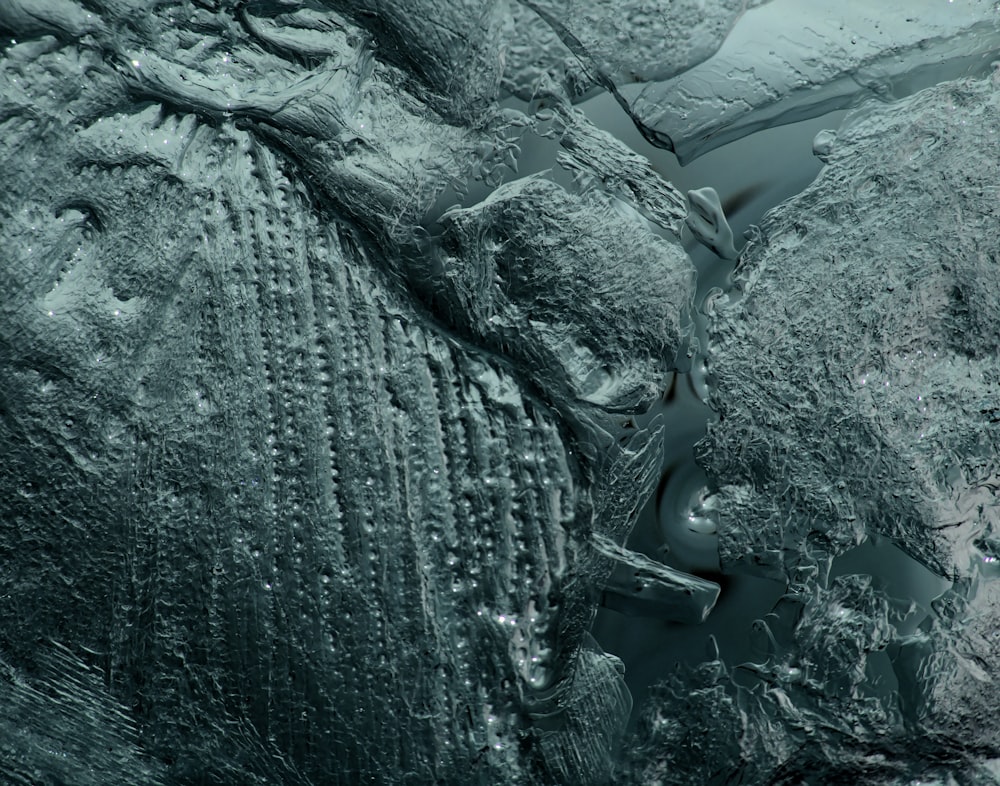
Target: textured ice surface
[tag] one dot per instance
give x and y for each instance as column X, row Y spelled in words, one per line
column 855, row 377
column 871, row 299
column 293, row 491
column 582, row 44
column 322, row 433
column 788, row 60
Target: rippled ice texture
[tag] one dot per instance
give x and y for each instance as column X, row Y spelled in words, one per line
column 315, row 465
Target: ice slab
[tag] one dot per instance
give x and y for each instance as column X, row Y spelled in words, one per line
column 853, row 367
column 871, row 298
column 789, row 60
column 300, row 483
column 582, row 44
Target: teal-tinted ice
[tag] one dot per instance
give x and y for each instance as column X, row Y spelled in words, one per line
column 325, row 417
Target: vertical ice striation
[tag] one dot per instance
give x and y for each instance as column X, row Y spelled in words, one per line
column 296, row 491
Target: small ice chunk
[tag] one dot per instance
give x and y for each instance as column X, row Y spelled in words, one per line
column 823, row 144
column 707, row 221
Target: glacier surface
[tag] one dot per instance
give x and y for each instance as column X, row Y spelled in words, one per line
column 324, row 430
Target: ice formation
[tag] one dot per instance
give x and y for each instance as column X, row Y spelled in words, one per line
column 323, row 430
column 854, row 366
column 309, row 496
column 788, row 60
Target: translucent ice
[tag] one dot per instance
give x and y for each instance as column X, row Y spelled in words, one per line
column 789, row 60
column 707, row 222
column 323, row 428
